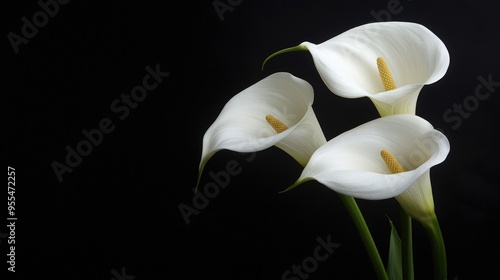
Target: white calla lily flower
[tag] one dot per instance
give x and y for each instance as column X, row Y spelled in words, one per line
column 349, row 63
column 277, row 111
column 351, row 163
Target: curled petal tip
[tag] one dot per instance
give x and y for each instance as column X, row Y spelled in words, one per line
column 197, row 185
column 291, row 49
column 296, row 184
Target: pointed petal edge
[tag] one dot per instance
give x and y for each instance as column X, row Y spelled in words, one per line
column 291, row 49
column 296, row 184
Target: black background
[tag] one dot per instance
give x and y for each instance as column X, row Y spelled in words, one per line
column 117, row 211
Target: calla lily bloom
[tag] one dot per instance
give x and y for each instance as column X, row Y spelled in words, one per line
column 351, row 163
column 418, row 204
column 277, row 111
column 388, row 62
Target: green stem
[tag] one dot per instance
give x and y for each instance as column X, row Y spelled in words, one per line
column 433, row 231
column 366, row 236
column 407, row 245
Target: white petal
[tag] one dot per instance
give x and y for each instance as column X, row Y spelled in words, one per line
column 241, row 125
column 347, row 62
column 351, row 163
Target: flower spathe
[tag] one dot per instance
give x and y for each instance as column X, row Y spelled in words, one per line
column 242, row 126
column 347, row 63
column 351, row 163
column 418, row 201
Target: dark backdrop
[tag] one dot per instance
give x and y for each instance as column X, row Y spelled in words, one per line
column 116, row 214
